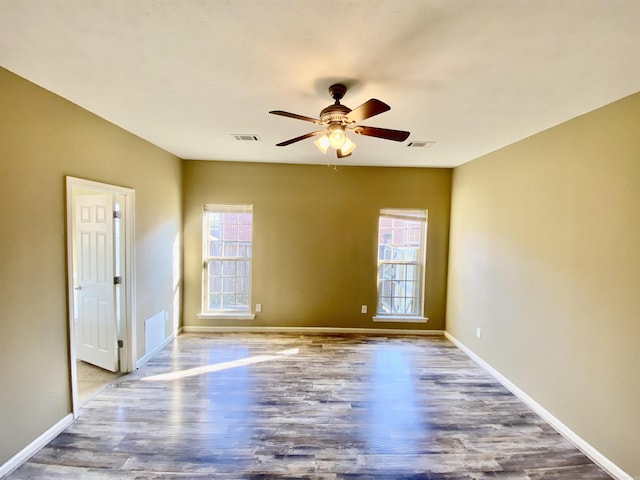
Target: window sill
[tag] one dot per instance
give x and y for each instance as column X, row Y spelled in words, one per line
column 396, row 318
column 226, row 316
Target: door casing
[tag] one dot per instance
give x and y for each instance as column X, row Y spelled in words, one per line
column 126, row 197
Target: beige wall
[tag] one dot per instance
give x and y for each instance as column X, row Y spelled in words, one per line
column 43, row 138
column 545, row 258
column 315, row 238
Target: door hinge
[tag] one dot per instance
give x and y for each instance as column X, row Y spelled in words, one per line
column 120, row 343
column 116, row 214
column 117, row 280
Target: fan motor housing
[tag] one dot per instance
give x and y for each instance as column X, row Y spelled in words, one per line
column 334, row 114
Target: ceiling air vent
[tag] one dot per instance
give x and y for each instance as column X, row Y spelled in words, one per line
column 421, row 144
column 246, row 137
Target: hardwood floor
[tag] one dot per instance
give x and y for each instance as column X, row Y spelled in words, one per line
column 274, row 406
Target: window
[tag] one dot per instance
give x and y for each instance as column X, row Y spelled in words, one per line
column 402, row 238
column 227, row 259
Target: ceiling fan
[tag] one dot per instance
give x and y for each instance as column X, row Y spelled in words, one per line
column 338, row 119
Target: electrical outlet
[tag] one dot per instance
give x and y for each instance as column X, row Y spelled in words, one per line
column 258, row 307
column 478, row 332
column 363, row 309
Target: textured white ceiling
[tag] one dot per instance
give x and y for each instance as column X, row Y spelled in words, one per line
column 471, row 75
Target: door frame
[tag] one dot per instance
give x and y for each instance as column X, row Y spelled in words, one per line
column 128, row 313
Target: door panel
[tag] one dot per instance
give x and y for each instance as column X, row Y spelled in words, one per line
column 96, row 336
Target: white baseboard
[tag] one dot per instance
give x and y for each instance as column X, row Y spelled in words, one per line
column 309, row 330
column 27, row 452
column 149, row 355
column 586, row 448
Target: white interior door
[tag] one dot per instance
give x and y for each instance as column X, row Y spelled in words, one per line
column 95, row 323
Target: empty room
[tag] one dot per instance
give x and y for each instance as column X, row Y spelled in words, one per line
column 332, row 240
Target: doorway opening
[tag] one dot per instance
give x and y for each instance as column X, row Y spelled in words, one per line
column 100, row 267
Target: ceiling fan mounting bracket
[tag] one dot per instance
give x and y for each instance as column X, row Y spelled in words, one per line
column 337, row 91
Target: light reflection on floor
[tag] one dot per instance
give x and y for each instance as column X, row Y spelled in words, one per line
column 216, row 367
column 231, row 395
column 394, row 407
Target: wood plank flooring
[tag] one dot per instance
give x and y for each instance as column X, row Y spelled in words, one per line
column 240, row 406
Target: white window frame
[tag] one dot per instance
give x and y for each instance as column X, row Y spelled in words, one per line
column 422, row 216
column 231, row 314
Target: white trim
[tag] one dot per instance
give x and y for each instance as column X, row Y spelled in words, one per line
column 586, row 448
column 226, row 316
column 27, row 452
column 128, row 353
column 149, row 355
column 395, row 318
column 130, row 350
column 309, row 330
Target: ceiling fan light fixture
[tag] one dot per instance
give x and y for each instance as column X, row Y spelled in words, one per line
column 348, row 147
column 337, row 137
column 322, row 143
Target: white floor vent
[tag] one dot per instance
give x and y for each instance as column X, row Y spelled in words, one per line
column 154, row 331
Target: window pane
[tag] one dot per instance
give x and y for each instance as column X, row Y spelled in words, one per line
column 230, row 269
column 386, row 287
column 230, row 249
column 215, row 249
column 386, row 271
column 412, row 272
column 242, row 302
column 412, row 254
column 228, row 285
column 228, row 302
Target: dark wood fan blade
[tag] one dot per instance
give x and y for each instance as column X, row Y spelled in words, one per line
column 367, row 110
column 297, row 139
column 340, row 155
column 395, row 135
column 296, row 116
